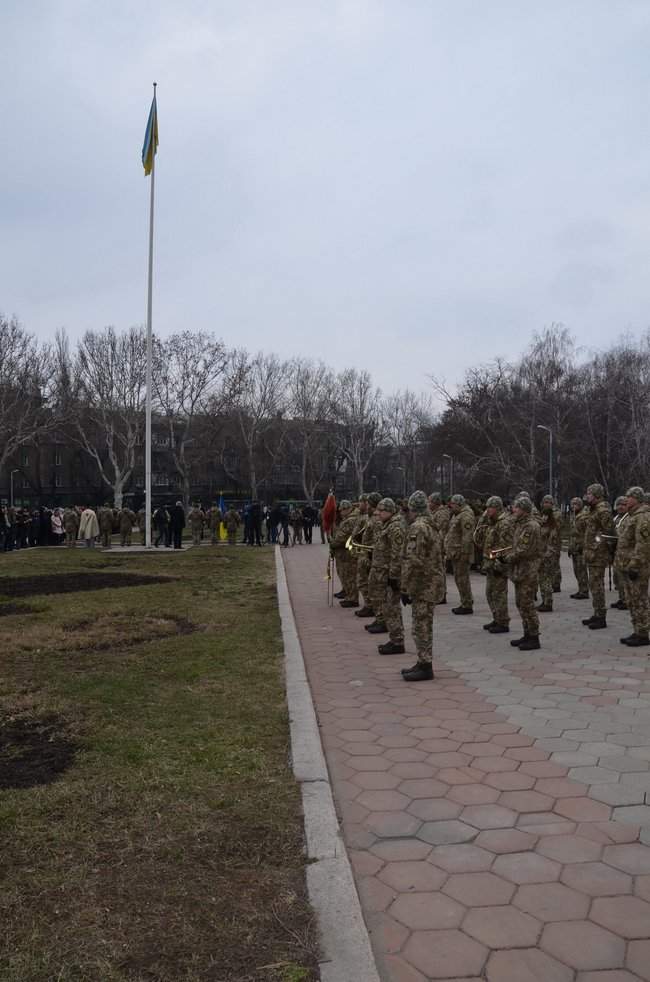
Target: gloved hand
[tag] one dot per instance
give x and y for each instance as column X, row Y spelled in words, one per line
column 393, row 584
column 406, row 600
column 500, row 568
column 633, row 574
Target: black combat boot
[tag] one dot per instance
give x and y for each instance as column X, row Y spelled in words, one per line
column 487, row 627
column 462, row 610
column 413, row 668
column 580, row 596
column 639, row 641
column 587, row 620
column 391, row 648
column 616, row 605
column 519, row 641
column 340, row 595
column 500, row 629
column 531, row 643
column 627, row 640
column 423, row 673
column 441, row 602
column 545, row 608
column 349, row 603
column 378, row 628
column 364, row 612
column 597, row 624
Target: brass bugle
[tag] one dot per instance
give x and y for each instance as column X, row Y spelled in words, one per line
column 601, row 536
column 495, row 553
column 351, row 545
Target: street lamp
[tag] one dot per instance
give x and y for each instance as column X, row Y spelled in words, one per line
column 451, row 473
column 550, row 456
column 373, row 477
column 11, row 485
column 403, row 470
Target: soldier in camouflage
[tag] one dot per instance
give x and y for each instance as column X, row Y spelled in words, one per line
column 127, row 520
column 366, row 536
column 422, row 583
column 214, row 523
column 599, row 536
column 458, row 547
column 523, row 567
column 345, row 563
column 620, row 512
column 441, row 519
column 196, row 518
column 551, row 546
column 385, row 575
column 633, row 563
column 71, row 526
column 105, row 518
column 496, row 540
column 577, row 546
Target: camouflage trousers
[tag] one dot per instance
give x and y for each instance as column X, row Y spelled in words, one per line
column 214, row 536
column 196, row 536
column 125, row 538
column 496, row 594
column 580, row 572
column 232, row 537
column 71, row 539
column 597, row 587
column 461, row 577
column 377, row 591
column 392, row 610
column 636, row 592
column 106, row 539
column 546, row 574
column 346, row 567
column 422, row 629
column 363, row 572
column 525, row 591
column 557, row 573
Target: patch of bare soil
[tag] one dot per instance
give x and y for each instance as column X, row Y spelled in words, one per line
column 29, row 586
column 103, row 632
column 6, row 610
column 33, row 751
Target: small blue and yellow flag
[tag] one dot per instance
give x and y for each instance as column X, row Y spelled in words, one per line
column 150, row 144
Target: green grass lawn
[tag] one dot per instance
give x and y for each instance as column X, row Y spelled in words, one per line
column 170, row 848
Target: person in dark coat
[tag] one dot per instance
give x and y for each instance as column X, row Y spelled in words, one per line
column 308, row 517
column 255, row 525
column 177, row 524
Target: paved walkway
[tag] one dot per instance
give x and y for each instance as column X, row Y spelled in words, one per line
column 497, row 817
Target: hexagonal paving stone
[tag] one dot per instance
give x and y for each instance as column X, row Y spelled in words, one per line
column 526, row 965
column 368, row 763
column 413, row 770
column 502, row 927
column 434, row 809
column 464, row 858
column 583, row 809
column 527, row 867
column 489, row 816
column 383, row 800
column 526, row 801
column 631, row 858
column 473, row 794
column 446, row 833
column 506, row 840
column 583, row 945
column 638, row 958
column 376, row 780
column 427, row 911
column 510, row 781
column 479, row 889
column 374, row 894
column 627, row 916
column 399, row 850
column 634, row 814
column 445, row 954
column 617, row 794
column 387, row 934
column 596, row 879
column 401, row 971
column 552, row 902
column 569, row 848
column 416, row 875
column 642, row 887
column 393, row 824
column 424, row 788
column 613, row 975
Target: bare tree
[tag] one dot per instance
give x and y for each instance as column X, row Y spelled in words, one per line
column 406, row 419
column 260, row 408
column 357, row 410
column 311, row 389
column 111, row 371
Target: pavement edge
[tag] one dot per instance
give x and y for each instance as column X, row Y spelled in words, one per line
column 345, row 945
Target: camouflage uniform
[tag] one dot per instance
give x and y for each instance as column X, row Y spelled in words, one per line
column 232, row 521
column 195, row 519
column 127, row 521
column 422, row 576
column 345, row 563
column 633, row 563
column 497, row 535
column 576, row 547
column 214, row 524
column 364, row 533
column 551, row 546
column 441, row 519
column 598, row 554
column 458, row 547
column 71, row 526
column 387, row 565
column 557, row 568
column 523, row 566
column 105, row 518
column 141, row 520
column 620, row 513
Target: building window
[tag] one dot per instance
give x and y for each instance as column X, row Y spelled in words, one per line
column 57, row 458
column 25, row 483
column 24, row 458
column 58, row 480
column 160, row 480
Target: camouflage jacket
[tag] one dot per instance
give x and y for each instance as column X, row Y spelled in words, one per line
column 526, row 551
column 231, row 520
column 127, row 520
column 599, row 522
column 342, row 532
column 389, row 547
column 633, row 550
column 550, row 534
column 498, row 535
column 195, row 517
column 423, row 576
column 459, row 542
column 70, row 520
column 577, row 530
column 441, row 519
column 480, row 531
column 214, row 517
column 105, row 517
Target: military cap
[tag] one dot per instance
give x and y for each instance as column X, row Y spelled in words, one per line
column 457, row 499
column 418, row 501
column 494, row 502
column 597, row 490
column 374, row 498
column 573, row 501
column 345, row 504
column 548, row 497
column 619, row 501
column 524, row 503
column 646, row 498
column 435, row 498
column 635, row 492
column 387, row 504
column 363, row 497
column 523, row 494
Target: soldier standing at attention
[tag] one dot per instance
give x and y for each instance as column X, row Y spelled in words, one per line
column 126, row 522
column 214, row 523
column 389, row 548
column 422, row 583
column 524, row 559
column 364, row 562
column 105, row 516
column 620, row 512
column 363, row 557
column 196, row 518
column 633, row 562
column 497, row 537
column 551, row 545
column 441, row 520
column 576, row 548
column 232, row 522
column 458, row 547
column 71, row 526
column 345, row 564
column 599, row 532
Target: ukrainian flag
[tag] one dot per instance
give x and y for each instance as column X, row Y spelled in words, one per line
column 223, row 534
column 150, row 144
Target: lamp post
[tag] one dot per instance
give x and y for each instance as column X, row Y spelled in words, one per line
column 451, row 473
column 550, row 456
column 403, row 470
column 11, row 485
column 373, row 477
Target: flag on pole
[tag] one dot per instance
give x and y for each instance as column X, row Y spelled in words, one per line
column 150, row 145
column 223, row 533
column 328, row 514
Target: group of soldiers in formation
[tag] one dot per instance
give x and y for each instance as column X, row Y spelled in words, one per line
column 396, row 554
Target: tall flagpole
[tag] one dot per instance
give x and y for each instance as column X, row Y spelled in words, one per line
column 147, row 452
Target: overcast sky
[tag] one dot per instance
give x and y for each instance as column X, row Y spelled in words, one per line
column 408, row 186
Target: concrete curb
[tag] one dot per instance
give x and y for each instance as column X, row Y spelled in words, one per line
column 344, row 937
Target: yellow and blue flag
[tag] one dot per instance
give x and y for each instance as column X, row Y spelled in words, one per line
column 150, row 145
